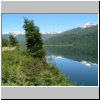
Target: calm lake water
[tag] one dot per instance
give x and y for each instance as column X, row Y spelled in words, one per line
column 82, row 72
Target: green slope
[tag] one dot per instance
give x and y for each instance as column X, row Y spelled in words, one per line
column 20, row 69
column 76, row 43
column 76, row 35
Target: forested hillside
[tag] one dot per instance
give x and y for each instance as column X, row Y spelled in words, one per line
column 75, row 36
column 76, row 43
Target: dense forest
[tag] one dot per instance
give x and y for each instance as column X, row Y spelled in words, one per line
column 26, row 65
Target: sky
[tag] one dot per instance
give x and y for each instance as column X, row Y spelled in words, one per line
column 46, row 22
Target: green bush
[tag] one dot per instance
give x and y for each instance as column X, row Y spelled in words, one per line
column 5, row 42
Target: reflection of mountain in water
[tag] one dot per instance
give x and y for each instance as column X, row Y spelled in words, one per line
column 79, row 43
column 88, row 64
column 83, row 73
column 53, row 57
column 75, row 53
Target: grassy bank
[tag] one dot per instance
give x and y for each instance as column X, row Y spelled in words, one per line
column 19, row 69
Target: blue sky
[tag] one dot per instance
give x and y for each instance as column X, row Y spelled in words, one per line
column 46, row 22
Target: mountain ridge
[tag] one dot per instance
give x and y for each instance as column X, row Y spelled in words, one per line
column 72, row 35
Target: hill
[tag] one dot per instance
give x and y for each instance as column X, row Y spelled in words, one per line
column 21, row 37
column 75, row 36
column 78, row 43
column 20, row 69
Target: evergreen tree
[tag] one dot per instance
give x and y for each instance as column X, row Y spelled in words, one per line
column 13, row 41
column 33, row 39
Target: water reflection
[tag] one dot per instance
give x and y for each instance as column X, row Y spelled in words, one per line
column 54, row 57
column 88, row 64
column 79, row 64
column 83, row 73
column 75, row 53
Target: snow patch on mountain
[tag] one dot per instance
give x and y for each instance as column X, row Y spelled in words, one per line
column 87, row 25
column 14, row 33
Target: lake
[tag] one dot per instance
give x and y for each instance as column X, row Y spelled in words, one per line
column 82, row 70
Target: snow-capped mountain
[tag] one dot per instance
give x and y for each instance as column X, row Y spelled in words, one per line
column 14, row 33
column 87, row 25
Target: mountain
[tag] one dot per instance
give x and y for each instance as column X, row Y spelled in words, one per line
column 21, row 37
column 6, row 36
column 75, row 36
column 47, row 36
column 78, row 43
column 87, row 25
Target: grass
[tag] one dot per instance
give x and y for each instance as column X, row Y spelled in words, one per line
column 20, row 69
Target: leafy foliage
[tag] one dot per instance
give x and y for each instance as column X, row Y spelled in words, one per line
column 5, row 42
